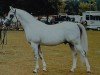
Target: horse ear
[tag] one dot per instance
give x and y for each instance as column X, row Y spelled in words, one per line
column 11, row 8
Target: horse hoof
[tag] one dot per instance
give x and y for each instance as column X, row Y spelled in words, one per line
column 88, row 71
column 34, row 71
column 71, row 71
column 45, row 70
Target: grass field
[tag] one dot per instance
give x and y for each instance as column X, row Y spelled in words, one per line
column 16, row 58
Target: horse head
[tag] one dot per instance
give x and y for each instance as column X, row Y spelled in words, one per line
column 10, row 16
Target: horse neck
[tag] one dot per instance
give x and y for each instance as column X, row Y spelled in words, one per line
column 25, row 18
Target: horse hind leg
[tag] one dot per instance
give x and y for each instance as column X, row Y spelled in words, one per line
column 42, row 58
column 83, row 56
column 74, row 54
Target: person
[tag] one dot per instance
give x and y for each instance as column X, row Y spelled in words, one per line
column 81, row 20
column 39, row 18
column 85, row 24
column 67, row 18
column 53, row 20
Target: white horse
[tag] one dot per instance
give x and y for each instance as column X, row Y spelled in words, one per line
column 38, row 33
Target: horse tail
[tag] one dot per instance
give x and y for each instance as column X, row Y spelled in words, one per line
column 83, row 38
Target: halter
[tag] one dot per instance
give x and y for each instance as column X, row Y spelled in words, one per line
column 10, row 20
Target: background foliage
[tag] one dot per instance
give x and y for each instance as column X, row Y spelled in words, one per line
column 48, row 7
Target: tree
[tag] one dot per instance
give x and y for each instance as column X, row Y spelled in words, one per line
column 72, row 7
column 98, row 4
column 86, row 6
column 4, row 6
column 37, row 7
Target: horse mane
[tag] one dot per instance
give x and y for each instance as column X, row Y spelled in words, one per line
column 26, row 14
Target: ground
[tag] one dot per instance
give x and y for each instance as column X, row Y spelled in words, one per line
column 16, row 58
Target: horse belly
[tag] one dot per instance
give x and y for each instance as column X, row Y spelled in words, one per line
column 51, row 42
column 52, row 39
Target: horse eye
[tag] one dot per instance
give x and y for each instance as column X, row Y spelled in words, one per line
column 11, row 16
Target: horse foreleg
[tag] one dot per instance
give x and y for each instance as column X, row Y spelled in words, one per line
column 42, row 58
column 74, row 53
column 35, row 48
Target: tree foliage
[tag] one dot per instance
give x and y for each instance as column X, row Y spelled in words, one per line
column 86, row 6
column 98, row 4
column 37, row 7
column 76, row 7
column 72, row 7
column 48, row 7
